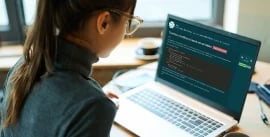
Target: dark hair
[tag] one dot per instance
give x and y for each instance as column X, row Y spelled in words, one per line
column 65, row 16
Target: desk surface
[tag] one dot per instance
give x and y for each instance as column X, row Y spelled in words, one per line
column 123, row 56
column 250, row 123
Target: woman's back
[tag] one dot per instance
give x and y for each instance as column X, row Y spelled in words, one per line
column 65, row 103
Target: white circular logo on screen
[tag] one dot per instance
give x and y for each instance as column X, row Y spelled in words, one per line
column 171, row 24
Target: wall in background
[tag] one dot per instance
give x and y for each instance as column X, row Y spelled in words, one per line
column 250, row 18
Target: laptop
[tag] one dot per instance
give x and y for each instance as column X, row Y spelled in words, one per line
column 200, row 85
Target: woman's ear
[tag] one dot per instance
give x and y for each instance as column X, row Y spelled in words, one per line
column 103, row 22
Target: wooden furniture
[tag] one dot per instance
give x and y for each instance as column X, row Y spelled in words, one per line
column 123, row 57
column 250, row 123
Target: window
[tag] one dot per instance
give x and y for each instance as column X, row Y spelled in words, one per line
column 11, row 30
column 3, row 15
column 154, row 13
column 191, row 9
column 29, row 7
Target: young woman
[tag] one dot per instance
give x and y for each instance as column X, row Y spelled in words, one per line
column 48, row 92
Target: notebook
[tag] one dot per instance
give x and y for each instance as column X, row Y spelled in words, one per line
column 200, row 85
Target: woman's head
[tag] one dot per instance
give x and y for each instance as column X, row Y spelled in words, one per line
column 96, row 25
column 72, row 14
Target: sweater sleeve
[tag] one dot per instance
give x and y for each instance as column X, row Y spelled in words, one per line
column 93, row 120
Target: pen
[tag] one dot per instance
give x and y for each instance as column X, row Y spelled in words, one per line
column 260, row 86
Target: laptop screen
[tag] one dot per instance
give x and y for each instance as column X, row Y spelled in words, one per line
column 209, row 64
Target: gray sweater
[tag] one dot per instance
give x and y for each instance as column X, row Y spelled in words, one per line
column 67, row 103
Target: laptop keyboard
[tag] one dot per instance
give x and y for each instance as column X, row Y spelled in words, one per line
column 174, row 112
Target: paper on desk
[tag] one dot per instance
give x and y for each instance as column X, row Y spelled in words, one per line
column 133, row 81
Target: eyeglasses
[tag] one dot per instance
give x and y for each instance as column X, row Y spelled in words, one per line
column 133, row 23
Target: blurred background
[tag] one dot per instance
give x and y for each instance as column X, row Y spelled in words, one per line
column 247, row 17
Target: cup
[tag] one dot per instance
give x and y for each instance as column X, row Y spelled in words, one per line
column 148, row 46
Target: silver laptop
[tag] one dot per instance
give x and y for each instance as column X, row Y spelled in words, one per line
column 200, row 86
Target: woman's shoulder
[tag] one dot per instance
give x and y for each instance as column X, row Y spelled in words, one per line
column 59, row 93
column 70, row 86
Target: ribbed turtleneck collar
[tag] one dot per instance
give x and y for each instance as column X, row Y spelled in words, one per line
column 73, row 58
